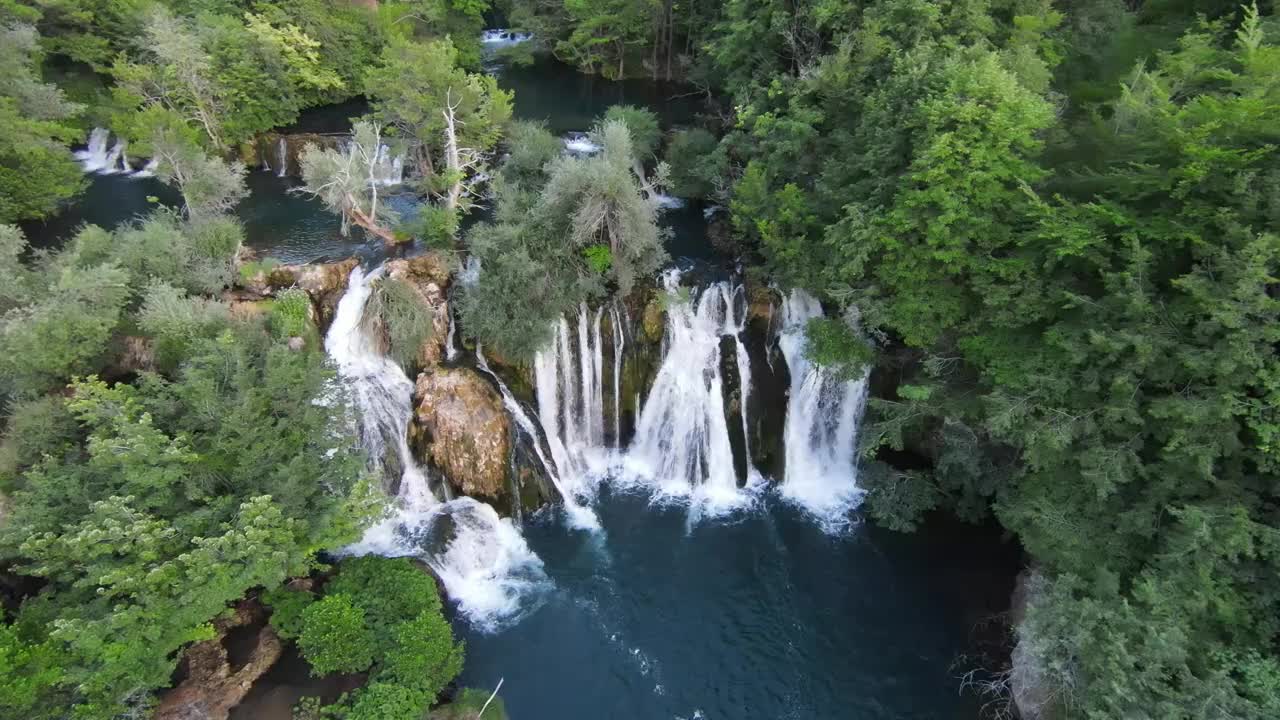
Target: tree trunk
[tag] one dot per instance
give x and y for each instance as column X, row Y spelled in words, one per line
column 452, row 162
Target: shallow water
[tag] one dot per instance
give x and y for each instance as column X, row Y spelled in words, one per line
column 757, row 616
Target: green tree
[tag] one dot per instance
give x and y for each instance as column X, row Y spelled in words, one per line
column 335, row 636
column 37, row 172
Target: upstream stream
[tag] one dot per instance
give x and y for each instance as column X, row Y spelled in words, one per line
column 670, row 584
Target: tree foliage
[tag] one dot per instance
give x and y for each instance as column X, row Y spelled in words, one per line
column 565, row 229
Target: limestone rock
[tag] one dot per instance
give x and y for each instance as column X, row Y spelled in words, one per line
column 428, row 275
column 212, row 686
column 465, row 430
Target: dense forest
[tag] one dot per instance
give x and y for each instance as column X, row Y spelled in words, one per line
column 1050, row 229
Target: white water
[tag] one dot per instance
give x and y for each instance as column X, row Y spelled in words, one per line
column 487, row 568
column 616, row 313
column 484, row 563
column 682, row 444
column 581, row 143
column 382, row 393
column 98, row 158
column 666, row 202
column 821, row 426
column 388, row 171
column 148, row 170
column 580, row 516
column 503, row 36
column 571, row 402
column 282, row 157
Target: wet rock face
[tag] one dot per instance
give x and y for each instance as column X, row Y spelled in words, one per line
column 429, row 276
column 213, row 684
column 266, row 151
column 465, row 431
column 323, row 282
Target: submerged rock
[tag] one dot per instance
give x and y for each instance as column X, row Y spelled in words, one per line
column 465, row 430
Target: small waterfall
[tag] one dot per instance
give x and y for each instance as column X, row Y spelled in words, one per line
column 382, row 393
column 821, row 426
column 97, row 158
column 682, row 437
column 115, row 158
column 580, row 517
column 580, row 143
column 487, row 568
column 503, row 36
column 148, row 170
column 666, row 202
column 388, row 171
column 282, row 157
column 616, row 312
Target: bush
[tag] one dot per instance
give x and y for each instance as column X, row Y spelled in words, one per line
column 287, row 607
column 467, row 705
column 67, row 333
column 335, row 637
column 643, row 124
column 291, row 314
column 408, row 320
column 176, row 320
column 696, row 163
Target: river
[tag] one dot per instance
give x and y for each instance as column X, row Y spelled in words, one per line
column 759, row 612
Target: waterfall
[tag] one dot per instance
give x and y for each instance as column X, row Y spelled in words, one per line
column 619, row 346
column 387, row 171
column 821, row 426
column 382, row 393
column 96, row 158
column 580, row 143
column 112, row 164
column 148, row 170
column 282, row 157
column 487, row 568
column 560, row 379
column 503, row 36
column 682, row 438
column 580, row 517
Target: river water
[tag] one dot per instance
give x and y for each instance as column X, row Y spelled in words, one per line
column 756, row 613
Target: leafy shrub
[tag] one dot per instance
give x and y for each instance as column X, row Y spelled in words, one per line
column 696, row 163
column 599, row 257
column 643, row 125
column 291, row 313
column 407, row 319
column 287, row 606
column 335, row 636
column 176, row 320
column 831, row 343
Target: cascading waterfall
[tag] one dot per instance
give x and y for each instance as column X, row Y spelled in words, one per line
column 565, row 386
column 98, row 158
column 682, row 438
column 382, row 393
column 580, row 517
column 484, row 563
column 821, row 426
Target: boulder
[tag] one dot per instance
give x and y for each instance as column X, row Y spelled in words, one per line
column 212, row 685
column 465, row 430
column 428, row 275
